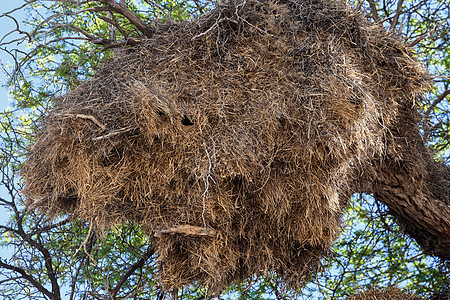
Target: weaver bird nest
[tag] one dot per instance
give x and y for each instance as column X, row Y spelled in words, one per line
column 231, row 139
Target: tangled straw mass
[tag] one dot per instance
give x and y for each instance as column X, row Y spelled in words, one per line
column 232, row 139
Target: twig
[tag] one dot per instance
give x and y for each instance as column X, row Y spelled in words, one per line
column 86, row 117
column 83, row 245
column 112, row 133
column 187, row 230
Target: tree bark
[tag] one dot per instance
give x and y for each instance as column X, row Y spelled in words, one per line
column 421, row 211
column 414, row 187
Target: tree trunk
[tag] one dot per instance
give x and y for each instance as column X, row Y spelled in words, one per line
column 414, row 187
column 422, row 212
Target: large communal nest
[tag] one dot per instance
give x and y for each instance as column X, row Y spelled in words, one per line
column 230, row 139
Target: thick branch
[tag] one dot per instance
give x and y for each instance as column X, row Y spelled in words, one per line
column 422, row 213
column 397, row 15
column 27, row 277
column 122, row 9
column 373, row 11
column 414, row 187
column 47, row 258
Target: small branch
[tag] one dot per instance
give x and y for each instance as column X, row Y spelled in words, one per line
column 9, row 203
column 436, row 102
column 424, row 35
column 113, row 21
column 17, row 26
column 187, row 230
column 86, row 117
column 6, row 228
column 10, row 279
column 112, row 133
column 75, row 28
column 139, row 264
column 359, row 5
column 83, row 245
column 47, row 21
column 51, row 226
column 427, row 130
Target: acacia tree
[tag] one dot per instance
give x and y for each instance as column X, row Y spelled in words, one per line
column 68, row 39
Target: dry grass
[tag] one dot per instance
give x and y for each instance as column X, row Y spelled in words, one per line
column 231, row 138
column 384, row 294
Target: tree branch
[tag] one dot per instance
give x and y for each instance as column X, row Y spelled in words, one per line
column 29, row 278
column 424, row 35
column 122, row 9
column 114, row 22
column 430, row 108
column 373, row 11
column 47, row 258
column 414, row 187
column 46, row 21
column 394, row 21
column 139, row 264
column 51, row 226
column 436, row 102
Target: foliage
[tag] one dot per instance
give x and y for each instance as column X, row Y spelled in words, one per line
column 374, row 252
column 62, row 258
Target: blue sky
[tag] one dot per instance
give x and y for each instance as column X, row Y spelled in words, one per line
column 6, row 26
